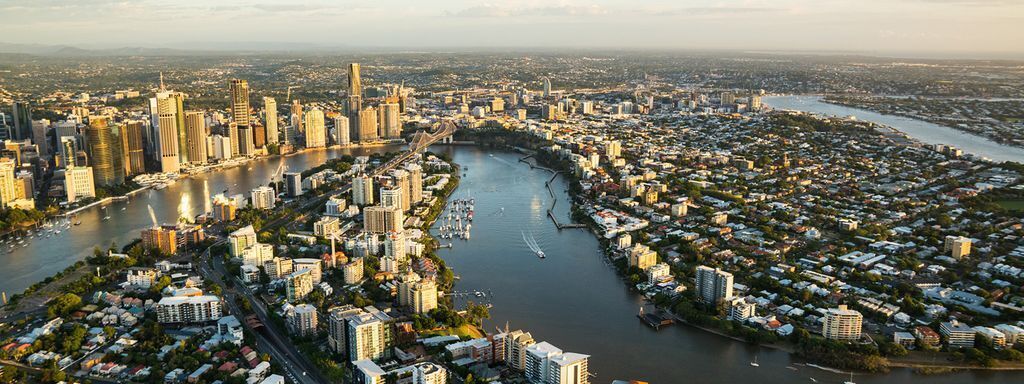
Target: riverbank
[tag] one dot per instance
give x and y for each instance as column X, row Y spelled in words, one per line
column 806, row 350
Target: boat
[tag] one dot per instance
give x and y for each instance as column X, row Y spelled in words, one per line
column 754, row 363
column 851, row 379
column 813, row 380
column 78, row 222
column 106, row 217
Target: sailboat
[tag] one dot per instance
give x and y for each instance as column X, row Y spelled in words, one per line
column 851, row 379
column 754, row 363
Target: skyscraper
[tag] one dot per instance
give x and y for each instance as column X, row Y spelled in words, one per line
column 316, row 133
column 547, row 87
column 342, row 131
column 389, row 122
column 7, row 192
column 22, row 116
column 355, row 101
column 195, row 128
column 415, row 189
column 240, row 102
column 246, row 141
column 367, row 125
column 270, row 119
column 134, row 158
column 39, row 128
column 104, row 147
column 168, row 103
column 233, row 136
column 362, row 190
column 713, row 285
column 168, row 143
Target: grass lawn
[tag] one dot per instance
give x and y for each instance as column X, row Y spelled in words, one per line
column 461, row 331
column 1012, row 205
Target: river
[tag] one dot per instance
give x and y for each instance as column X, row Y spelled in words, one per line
column 45, row 256
column 921, row 130
column 576, row 301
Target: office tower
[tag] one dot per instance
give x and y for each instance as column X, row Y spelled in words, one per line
column 497, row 105
column 293, row 184
column 401, row 178
column 713, row 285
column 233, row 135
column 39, row 128
column 415, row 186
column 362, row 190
column 104, row 147
column 169, row 149
column 7, row 192
column 316, row 133
column 612, row 149
column 380, row 220
column 957, row 246
column 240, row 102
column 195, row 129
column 246, row 145
column 259, row 135
column 78, row 183
column 168, row 103
column 842, row 324
column 355, row 101
column 132, row 148
column 547, row 87
column 368, row 125
column 370, row 335
column 342, row 131
column 270, row 119
column 22, row 116
column 68, row 150
column 298, row 284
column 301, row 320
column 389, row 123
column 296, row 116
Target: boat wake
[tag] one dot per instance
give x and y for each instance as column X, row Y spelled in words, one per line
column 532, row 243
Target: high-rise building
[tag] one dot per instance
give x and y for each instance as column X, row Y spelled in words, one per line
column 370, row 335
column 167, row 112
column 547, row 87
column 842, row 324
column 262, row 197
column 415, row 186
column 342, row 131
column 296, row 116
column 391, row 197
column 301, row 320
column 240, row 102
column 39, row 128
column 380, row 220
column 958, row 247
column 293, row 184
column 316, row 133
column 78, row 183
column 390, row 124
column 7, row 192
column 337, row 327
column 104, row 147
column 233, row 135
column 516, row 343
column 368, row 125
column 401, row 178
column 362, row 190
column 22, row 116
column 355, row 101
column 195, row 132
column 188, row 309
column 246, row 143
column 423, row 296
column 270, row 119
column 298, row 284
column 162, row 238
column 713, row 285
column 547, row 364
column 132, row 148
column 168, row 146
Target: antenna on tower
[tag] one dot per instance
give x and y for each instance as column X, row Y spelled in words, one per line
column 162, row 88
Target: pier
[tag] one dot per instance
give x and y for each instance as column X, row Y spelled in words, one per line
column 551, row 192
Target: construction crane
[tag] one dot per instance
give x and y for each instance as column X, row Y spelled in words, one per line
column 288, row 98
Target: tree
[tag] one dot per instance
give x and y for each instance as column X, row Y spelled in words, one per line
column 63, row 305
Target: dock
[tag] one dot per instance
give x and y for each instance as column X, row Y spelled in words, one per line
column 655, row 320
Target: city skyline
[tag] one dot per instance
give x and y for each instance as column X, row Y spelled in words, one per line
column 947, row 28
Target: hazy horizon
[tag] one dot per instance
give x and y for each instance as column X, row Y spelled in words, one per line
column 919, row 28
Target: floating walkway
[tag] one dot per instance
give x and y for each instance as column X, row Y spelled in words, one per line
column 551, row 192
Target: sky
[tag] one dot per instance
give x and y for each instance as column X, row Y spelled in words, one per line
column 972, row 27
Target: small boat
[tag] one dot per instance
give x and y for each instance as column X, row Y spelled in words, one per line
column 851, row 379
column 78, row 223
column 813, row 380
column 106, row 217
column 754, row 363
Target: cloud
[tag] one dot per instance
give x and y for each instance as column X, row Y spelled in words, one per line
column 489, row 10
